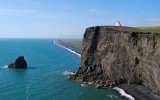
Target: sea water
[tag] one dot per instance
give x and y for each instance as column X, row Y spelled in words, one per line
column 46, row 76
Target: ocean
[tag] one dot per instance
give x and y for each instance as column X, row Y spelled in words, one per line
column 46, row 76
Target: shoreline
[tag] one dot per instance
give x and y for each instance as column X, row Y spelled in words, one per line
column 132, row 92
column 69, row 48
column 139, row 92
column 118, row 89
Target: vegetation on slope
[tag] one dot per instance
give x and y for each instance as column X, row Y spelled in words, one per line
column 150, row 28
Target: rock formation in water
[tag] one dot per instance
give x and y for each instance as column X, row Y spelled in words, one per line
column 19, row 63
column 113, row 55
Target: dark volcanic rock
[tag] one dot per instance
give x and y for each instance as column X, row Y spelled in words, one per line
column 120, row 55
column 19, row 63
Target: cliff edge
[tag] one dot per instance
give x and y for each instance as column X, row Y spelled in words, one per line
column 113, row 55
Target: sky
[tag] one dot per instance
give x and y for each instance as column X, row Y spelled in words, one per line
column 70, row 18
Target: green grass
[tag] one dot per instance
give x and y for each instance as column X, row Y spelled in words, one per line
column 150, row 28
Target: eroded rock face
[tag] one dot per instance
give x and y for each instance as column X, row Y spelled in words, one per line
column 120, row 55
column 19, row 63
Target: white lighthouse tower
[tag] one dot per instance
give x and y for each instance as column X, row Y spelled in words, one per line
column 118, row 23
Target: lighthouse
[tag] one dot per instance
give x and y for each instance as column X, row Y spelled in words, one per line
column 118, row 23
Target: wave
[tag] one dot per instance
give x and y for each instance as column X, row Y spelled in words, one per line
column 90, row 83
column 113, row 96
column 84, row 85
column 27, row 92
column 122, row 92
column 5, row 66
column 68, row 73
column 67, row 49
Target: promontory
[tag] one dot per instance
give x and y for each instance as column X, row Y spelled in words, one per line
column 115, row 55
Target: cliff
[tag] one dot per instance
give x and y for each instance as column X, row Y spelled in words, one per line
column 120, row 55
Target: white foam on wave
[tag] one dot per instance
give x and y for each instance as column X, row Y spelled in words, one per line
column 122, row 92
column 90, row 83
column 68, row 73
column 113, row 96
column 84, row 85
column 67, row 49
column 27, row 92
column 5, row 66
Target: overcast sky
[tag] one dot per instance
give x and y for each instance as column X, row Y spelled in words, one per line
column 69, row 18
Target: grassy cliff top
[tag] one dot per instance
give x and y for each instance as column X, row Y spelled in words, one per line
column 77, row 42
column 150, row 28
column 114, row 28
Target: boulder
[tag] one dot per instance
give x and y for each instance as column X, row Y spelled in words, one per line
column 19, row 63
column 99, row 85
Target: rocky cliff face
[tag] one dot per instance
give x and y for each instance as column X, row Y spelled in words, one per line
column 120, row 55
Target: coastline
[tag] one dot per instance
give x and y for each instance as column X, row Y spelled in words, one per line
column 131, row 92
column 125, row 96
column 139, row 92
column 67, row 47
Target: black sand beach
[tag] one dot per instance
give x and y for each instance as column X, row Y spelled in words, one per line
column 139, row 92
column 73, row 44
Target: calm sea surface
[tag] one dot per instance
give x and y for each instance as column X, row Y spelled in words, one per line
column 46, row 78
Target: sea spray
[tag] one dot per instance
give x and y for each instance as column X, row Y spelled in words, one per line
column 90, row 83
column 68, row 73
column 84, row 85
column 6, row 66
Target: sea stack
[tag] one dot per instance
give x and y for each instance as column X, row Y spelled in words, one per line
column 19, row 63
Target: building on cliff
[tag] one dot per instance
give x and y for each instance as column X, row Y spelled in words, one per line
column 118, row 23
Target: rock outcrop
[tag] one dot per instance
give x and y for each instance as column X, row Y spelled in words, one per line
column 120, row 55
column 19, row 63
